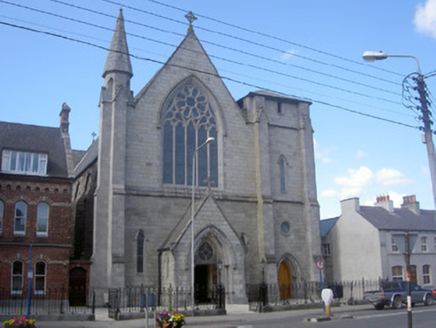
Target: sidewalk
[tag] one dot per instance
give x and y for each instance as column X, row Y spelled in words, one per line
column 237, row 315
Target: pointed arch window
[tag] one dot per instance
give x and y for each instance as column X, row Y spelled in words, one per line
column 140, row 252
column 188, row 121
column 282, row 171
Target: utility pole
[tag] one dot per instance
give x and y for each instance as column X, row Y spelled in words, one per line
column 428, row 133
column 371, row 56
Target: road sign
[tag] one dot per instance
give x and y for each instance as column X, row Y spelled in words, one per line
column 320, row 264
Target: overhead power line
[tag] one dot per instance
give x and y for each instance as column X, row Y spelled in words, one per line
column 207, row 73
column 217, row 57
column 280, row 51
column 241, row 51
column 269, row 36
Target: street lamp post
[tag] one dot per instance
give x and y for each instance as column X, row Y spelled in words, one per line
column 263, row 287
column 194, row 171
column 371, row 56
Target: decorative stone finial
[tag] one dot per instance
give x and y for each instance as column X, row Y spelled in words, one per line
column 191, row 18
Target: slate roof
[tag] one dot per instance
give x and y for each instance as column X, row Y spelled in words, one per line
column 86, row 159
column 326, row 225
column 277, row 96
column 40, row 139
column 400, row 219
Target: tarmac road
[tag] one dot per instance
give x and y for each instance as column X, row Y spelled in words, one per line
column 236, row 317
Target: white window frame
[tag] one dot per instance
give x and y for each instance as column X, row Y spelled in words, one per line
column 42, row 218
column 424, row 247
column 394, row 246
column 15, row 276
column 20, row 162
column 397, row 276
column 38, row 276
column 22, row 217
column 426, row 274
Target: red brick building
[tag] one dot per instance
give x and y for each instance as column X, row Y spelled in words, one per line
column 35, row 206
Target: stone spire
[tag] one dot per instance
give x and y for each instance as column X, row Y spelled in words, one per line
column 118, row 59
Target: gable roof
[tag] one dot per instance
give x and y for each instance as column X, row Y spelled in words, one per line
column 326, row 225
column 37, row 139
column 400, row 219
column 87, row 158
column 190, row 57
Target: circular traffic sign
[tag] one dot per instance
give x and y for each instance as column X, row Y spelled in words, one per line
column 320, row 264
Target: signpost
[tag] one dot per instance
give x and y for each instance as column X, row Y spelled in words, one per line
column 405, row 243
column 320, row 266
column 29, row 282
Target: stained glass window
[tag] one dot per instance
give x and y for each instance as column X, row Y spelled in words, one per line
column 188, row 121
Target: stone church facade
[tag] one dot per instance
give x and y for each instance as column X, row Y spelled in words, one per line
column 255, row 191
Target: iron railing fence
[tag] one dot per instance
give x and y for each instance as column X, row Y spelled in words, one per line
column 51, row 301
column 307, row 292
column 137, row 299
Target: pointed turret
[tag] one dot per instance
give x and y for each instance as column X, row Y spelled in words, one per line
column 118, row 59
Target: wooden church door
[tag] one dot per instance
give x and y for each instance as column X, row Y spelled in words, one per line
column 284, row 281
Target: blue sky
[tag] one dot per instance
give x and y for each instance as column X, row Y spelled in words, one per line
column 310, row 49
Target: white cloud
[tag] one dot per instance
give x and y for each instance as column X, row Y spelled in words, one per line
column 362, row 181
column 328, row 193
column 390, row 177
column 355, row 183
column 323, row 154
column 288, row 54
column 356, row 178
column 425, row 18
column 394, row 196
column 361, row 154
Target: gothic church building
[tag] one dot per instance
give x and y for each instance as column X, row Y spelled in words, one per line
column 254, row 201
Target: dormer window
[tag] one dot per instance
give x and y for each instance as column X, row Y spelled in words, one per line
column 20, row 162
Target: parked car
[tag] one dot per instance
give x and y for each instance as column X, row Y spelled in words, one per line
column 394, row 293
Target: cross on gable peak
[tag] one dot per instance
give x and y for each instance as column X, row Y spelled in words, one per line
column 191, row 18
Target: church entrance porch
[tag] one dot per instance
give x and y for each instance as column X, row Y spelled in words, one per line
column 206, row 283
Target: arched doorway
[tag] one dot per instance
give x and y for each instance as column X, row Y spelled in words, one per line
column 77, row 287
column 284, row 280
column 206, row 273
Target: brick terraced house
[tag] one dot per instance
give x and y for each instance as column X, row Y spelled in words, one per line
column 35, row 206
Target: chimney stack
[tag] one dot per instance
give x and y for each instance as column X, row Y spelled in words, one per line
column 385, row 202
column 65, row 112
column 410, row 203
